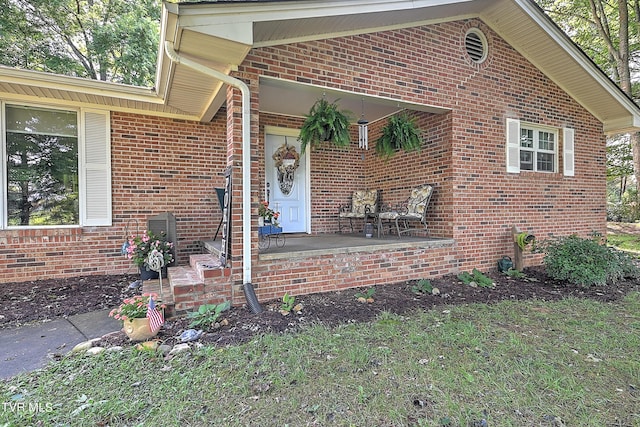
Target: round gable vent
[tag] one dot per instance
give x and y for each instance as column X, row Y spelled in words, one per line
column 475, row 43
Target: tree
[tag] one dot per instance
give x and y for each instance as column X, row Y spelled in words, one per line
column 114, row 40
column 608, row 33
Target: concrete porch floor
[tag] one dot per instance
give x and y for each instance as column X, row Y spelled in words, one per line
column 322, row 244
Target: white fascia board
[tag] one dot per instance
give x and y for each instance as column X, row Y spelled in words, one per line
column 628, row 124
column 235, row 20
column 240, row 32
column 358, row 31
column 78, row 84
column 259, row 12
column 64, row 103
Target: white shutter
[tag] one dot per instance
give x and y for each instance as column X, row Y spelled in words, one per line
column 568, row 155
column 95, row 167
column 513, row 145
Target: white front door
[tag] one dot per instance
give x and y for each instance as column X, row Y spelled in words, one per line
column 287, row 193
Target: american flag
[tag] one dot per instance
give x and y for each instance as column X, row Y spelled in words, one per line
column 155, row 316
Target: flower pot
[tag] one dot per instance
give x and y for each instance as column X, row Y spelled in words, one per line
column 260, row 221
column 146, row 274
column 138, row 329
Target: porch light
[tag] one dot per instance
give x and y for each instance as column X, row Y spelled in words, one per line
column 363, row 131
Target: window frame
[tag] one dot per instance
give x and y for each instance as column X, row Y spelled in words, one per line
column 535, row 149
column 96, row 140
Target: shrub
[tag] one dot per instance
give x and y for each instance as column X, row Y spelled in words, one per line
column 585, row 262
column 207, row 314
column 476, row 277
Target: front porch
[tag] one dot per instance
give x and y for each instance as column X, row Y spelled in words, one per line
column 305, row 245
column 307, row 264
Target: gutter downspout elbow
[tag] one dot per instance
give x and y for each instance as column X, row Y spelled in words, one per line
column 246, row 150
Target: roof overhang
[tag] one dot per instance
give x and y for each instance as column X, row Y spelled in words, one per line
column 525, row 27
column 33, row 86
column 220, row 34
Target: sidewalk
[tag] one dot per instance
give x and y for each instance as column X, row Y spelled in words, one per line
column 27, row 348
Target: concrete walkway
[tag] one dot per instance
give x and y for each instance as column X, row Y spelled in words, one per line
column 31, row 347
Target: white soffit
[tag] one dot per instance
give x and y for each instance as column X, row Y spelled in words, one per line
column 33, row 86
column 295, row 99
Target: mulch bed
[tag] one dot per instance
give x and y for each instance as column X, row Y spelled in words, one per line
column 26, row 302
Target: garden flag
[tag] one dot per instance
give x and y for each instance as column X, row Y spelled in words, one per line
column 155, row 316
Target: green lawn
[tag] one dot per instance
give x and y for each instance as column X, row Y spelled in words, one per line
column 624, row 236
column 574, row 363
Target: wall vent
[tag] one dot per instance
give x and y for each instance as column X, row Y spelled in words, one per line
column 475, row 44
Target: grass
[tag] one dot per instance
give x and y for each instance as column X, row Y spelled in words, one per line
column 530, row 363
column 624, row 242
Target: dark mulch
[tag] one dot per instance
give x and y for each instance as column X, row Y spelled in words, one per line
column 26, row 302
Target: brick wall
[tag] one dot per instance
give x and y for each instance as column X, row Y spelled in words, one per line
column 475, row 202
column 158, row 165
column 171, row 165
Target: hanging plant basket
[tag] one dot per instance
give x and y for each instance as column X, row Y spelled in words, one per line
column 400, row 133
column 325, row 122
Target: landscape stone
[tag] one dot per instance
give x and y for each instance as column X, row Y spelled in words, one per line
column 179, row 348
column 83, row 346
column 95, row 350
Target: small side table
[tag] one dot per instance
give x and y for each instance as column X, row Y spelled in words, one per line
column 375, row 220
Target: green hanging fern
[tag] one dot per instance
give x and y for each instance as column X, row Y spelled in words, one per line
column 325, row 123
column 400, row 133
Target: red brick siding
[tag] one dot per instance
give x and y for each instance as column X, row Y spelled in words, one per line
column 476, row 202
column 171, row 165
column 158, row 165
column 331, row 272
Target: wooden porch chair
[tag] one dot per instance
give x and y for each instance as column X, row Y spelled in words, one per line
column 363, row 204
column 413, row 211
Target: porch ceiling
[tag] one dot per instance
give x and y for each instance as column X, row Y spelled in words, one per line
column 295, row 99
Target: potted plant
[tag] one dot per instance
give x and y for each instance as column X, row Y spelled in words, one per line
column 325, row 122
column 268, row 214
column 400, row 132
column 140, row 248
column 136, row 314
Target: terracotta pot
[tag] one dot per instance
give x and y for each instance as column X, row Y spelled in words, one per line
column 138, row 329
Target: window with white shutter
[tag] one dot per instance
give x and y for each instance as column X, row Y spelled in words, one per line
column 513, row 145
column 56, row 168
column 531, row 147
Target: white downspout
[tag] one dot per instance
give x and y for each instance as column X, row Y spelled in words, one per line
column 246, row 149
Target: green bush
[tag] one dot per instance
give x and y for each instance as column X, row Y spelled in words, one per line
column 585, row 262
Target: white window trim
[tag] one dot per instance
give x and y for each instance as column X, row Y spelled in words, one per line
column 105, row 219
column 513, row 128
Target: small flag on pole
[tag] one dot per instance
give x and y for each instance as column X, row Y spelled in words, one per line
column 155, row 316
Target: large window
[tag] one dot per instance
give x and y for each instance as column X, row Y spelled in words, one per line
column 42, row 166
column 538, row 149
column 56, row 169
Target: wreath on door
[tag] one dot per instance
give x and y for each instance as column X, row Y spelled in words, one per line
column 287, row 160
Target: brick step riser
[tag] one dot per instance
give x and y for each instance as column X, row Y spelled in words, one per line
column 188, row 287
